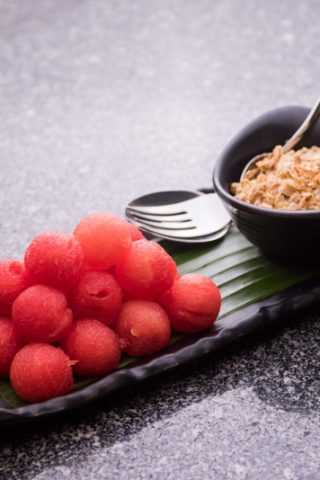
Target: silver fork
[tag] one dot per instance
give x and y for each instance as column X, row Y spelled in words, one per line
column 201, row 216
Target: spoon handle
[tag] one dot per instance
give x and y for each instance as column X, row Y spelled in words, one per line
column 297, row 136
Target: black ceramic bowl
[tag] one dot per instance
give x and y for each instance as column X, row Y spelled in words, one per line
column 288, row 237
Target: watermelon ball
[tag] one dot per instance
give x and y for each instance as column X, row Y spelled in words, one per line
column 97, row 295
column 143, row 328
column 55, row 259
column 40, row 371
column 13, row 280
column 41, row 314
column 94, row 347
column 146, row 271
column 193, row 303
column 104, row 239
column 9, row 345
column 135, row 232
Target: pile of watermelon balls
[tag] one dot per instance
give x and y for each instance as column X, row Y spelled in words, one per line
column 79, row 300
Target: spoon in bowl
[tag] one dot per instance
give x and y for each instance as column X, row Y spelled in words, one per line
column 293, row 140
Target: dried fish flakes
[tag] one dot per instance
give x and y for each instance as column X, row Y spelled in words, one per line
column 286, row 181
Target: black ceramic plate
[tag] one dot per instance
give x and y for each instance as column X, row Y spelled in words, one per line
column 255, row 294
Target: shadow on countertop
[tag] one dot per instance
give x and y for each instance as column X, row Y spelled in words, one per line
column 280, row 365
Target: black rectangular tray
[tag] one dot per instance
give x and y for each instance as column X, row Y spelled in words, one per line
column 252, row 300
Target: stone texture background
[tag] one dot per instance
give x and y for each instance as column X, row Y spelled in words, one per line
column 101, row 101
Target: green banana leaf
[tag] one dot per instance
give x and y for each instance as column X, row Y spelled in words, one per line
column 242, row 273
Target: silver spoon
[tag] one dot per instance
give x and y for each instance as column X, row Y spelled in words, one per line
column 293, row 140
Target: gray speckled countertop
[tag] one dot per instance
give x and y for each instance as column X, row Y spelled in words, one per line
column 101, row 101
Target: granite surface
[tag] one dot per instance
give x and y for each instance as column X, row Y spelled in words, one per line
column 101, row 101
